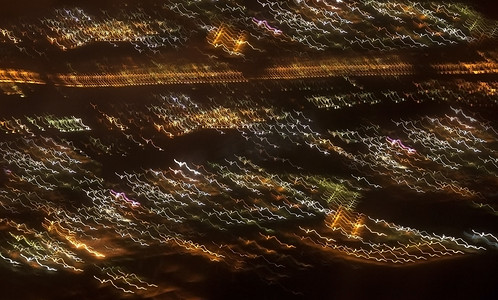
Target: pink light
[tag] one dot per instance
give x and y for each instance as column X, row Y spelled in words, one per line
column 118, row 195
column 264, row 23
column 398, row 142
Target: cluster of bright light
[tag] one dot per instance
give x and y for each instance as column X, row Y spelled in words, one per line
column 28, row 125
column 372, row 25
column 171, row 210
column 151, row 76
column 231, row 42
column 434, row 157
column 376, row 25
column 119, row 278
column 20, row 76
column 177, row 114
column 163, row 208
column 480, row 93
column 72, row 28
column 312, row 25
column 357, row 66
column 7, row 36
column 374, row 65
